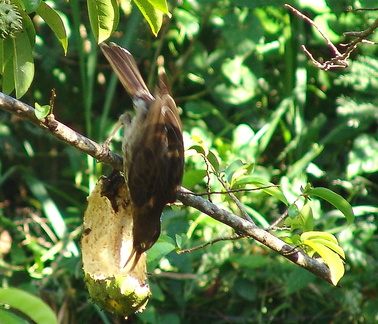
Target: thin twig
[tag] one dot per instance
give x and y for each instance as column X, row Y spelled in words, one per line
column 280, row 219
column 236, row 200
column 233, row 190
column 244, row 227
column 311, row 22
column 198, row 247
column 208, row 167
column 340, row 60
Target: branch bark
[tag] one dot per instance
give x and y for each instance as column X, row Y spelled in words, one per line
column 339, row 60
column 61, row 131
column 240, row 225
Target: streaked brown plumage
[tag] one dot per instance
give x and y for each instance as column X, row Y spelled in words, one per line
column 152, row 148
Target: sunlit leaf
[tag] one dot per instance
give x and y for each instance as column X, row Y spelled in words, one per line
column 7, row 72
column 331, row 259
column 30, row 305
column 260, row 182
column 53, row 20
column 161, row 5
column 232, row 168
column 28, row 26
column 178, row 241
column 317, row 234
column 51, row 209
column 153, row 15
column 41, row 111
column 7, row 316
column 104, row 18
column 363, row 158
column 23, row 63
column 193, row 177
column 308, row 218
column 293, row 210
column 213, row 161
column 333, row 246
column 189, row 23
column 198, row 148
column 31, row 5
column 161, row 248
column 335, row 199
column 300, row 165
column 242, row 83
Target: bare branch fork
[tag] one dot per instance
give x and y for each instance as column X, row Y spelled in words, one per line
column 242, row 226
column 340, row 60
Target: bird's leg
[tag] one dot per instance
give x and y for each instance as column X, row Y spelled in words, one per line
column 123, row 120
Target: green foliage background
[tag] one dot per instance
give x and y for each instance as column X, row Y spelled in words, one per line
column 248, row 95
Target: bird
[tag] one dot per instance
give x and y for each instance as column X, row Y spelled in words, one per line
column 152, row 147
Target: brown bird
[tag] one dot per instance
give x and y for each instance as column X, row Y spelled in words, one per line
column 153, row 150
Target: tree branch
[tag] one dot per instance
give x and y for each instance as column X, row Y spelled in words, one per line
column 61, row 131
column 340, row 60
column 240, row 225
column 246, row 228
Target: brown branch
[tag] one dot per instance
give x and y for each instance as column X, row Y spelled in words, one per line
column 340, row 60
column 242, row 226
column 233, row 190
column 219, row 239
column 61, row 131
column 246, row 228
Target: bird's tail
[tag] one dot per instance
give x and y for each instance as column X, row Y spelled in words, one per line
column 126, row 70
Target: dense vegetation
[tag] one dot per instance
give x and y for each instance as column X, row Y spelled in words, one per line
column 252, row 101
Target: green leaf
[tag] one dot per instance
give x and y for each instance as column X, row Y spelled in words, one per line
column 189, row 22
column 246, row 289
column 300, row 165
column 198, row 148
column 193, row 177
column 307, row 217
column 30, row 305
column 249, row 261
column 178, row 241
column 324, row 238
column 41, row 111
column 302, row 219
column 152, row 14
column 293, row 211
column 104, row 18
column 23, row 64
column 7, row 316
column 242, row 83
column 317, row 234
column 231, row 169
column 50, row 209
column 161, row 5
column 7, row 66
column 333, row 246
column 199, row 109
column 335, row 199
column 53, row 20
column 161, row 248
column 331, row 259
column 363, row 158
column 259, row 183
column 31, row 5
column 27, row 23
column 213, row 161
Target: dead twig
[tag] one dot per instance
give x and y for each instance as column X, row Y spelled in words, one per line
column 340, row 60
